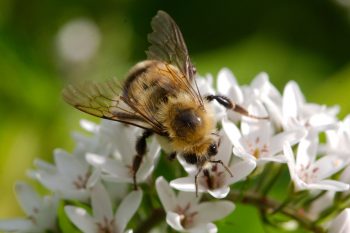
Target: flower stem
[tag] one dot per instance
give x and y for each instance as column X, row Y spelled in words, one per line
column 153, row 219
column 267, row 204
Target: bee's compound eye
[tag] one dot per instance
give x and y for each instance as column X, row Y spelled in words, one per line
column 213, row 149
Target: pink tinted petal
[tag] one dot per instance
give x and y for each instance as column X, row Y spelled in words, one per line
column 81, row 219
column 166, row 194
column 127, row 209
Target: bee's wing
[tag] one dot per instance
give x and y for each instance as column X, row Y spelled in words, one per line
column 167, row 44
column 103, row 100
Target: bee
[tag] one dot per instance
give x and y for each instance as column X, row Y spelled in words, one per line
column 160, row 95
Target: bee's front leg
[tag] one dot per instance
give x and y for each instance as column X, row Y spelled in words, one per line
column 141, row 149
column 229, row 104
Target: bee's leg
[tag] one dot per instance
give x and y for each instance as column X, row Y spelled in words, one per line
column 220, row 162
column 196, row 179
column 141, row 148
column 229, row 104
column 192, row 158
column 172, row 155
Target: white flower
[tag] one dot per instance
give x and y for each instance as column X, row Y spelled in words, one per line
column 219, row 180
column 338, row 140
column 119, row 169
column 256, row 140
column 185, row 214
column 103, row 220
column 246, row 96
column 71, row 177
column 341, row 224
column 41, row 212
column 205, row 86
column 298, row 113
column 308, row 172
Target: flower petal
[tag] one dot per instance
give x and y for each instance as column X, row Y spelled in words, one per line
column 212, row 211
column 219, row 193
column 81, row 219
column 241, row 169
column 101, row 203
column 28, row 198
column 328, row 165
column 225, row 81
column 174, row 220
column 166, row 194
column 127, row 209
column 329, row 185
column 277, row 141
column 69, row 166
column 110, row 166
column 204, row 228
column 233, row 133
column 185, row 184
column 17, row 225
column 341, row 224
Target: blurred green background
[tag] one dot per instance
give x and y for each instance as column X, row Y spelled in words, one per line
column 46, row 44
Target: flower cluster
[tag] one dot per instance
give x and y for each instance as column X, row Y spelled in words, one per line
column 90, row 189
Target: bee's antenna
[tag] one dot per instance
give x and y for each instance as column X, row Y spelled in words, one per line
column 220, row 162
column 228, row 104
column 244, row 112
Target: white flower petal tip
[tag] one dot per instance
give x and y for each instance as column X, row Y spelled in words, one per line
column 81, row 219
column 95, row 159
column 226, row 80
column 220, row 193
column 185, row 184
column 89, row 126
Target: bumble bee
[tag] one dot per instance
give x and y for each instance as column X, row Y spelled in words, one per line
column 161, row 96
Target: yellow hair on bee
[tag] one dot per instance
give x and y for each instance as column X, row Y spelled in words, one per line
column 189, row 125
